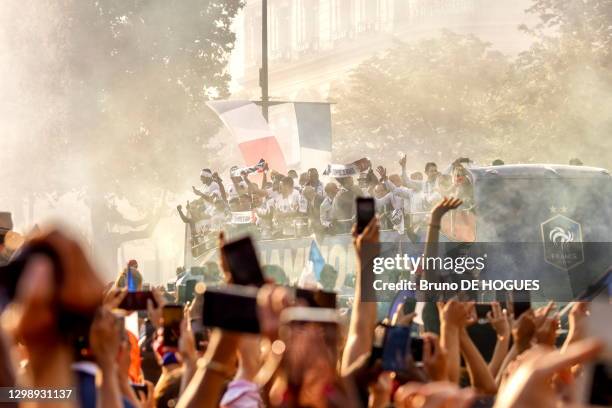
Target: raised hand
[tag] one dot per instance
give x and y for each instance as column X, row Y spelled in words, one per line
column 113, row 297
column 530, row 385
column 402, row 161
column 523, row 331
column 370, row 237
column 444, row 206
column 499, row 320
column 382, row 172
column 434, row 358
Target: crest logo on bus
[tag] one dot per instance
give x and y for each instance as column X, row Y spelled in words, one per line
column 562, row 238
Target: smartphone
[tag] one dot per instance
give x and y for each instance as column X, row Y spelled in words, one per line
column 242, row 261
column 521, row 302
column 172, row 315
column 482, row 309
column 232, row 307
column 140, row 388
column 200, row 334
column 598, row 374
column 137, row 300
column 365, row 212
column 395, row 349
column 520, row 308
column 416, row 349
column 316, row 298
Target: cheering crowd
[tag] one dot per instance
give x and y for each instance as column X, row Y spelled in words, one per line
column 62, row 328
column 292, row 205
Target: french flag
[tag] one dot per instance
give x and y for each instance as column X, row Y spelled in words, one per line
column 254, row 137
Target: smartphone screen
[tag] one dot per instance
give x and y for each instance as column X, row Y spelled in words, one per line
column 416, row 348
column 482, row 309
column 232, row 308
column 397, row 342
column 317, row 298
column 172, row 315
column 242, row 261
column 137, row 300
column 365, row 212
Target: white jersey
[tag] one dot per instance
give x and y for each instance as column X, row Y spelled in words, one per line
column 211, row 190
column 288, row 204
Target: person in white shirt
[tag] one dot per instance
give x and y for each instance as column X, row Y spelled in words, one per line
column 331, row 189
column 210, row 187
column 314, row 182
column 427, row 186
column 286, row 206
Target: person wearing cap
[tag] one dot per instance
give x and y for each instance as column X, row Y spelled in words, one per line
column 210, row 186
column 136, row 278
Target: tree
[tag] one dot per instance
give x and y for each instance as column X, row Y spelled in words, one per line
column 435, row 98
column 112, row 101
column 454, row 95
column 565, row 81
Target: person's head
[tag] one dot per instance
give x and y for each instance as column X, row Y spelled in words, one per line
column 286, row 186
column 331, row 189
column 459, row 175
column 498, row 162
column 431, row 171
column 309, row 193
column 206, row 176
column 380, row 190
column 575, row 162
column 416, row 176
column 313, row 176
column 304, row 179
column 293, row 174
column 132, row 264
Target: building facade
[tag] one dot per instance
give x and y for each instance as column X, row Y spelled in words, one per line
column 314, row 43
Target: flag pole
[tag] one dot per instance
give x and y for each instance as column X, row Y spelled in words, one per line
column 263, row 71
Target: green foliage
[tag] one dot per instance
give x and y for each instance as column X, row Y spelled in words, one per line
column 123, row 86
column 454, row 95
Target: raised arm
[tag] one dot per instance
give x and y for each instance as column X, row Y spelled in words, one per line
column 452, row 317
column 363, row 315
column 433, row 232
column 498, row 319
column 480, row 376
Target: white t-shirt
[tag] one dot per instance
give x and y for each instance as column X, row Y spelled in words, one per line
column 289, row 204
column 211, row 190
